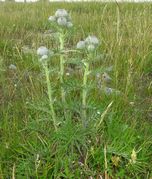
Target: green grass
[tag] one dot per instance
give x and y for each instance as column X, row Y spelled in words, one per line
column 30, row 148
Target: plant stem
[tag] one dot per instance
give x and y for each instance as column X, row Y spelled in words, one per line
column 61, row 39
column 49, row 90
column 84, row 92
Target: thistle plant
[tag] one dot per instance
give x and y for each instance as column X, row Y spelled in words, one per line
column 61, row 21
column 89, row 45
column 77, row 127
column 44, row 55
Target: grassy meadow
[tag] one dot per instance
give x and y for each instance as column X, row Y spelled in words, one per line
column 116, row 142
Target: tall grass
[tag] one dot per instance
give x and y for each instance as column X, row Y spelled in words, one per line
column 117, row 141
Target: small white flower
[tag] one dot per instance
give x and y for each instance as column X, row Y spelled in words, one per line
column 7, row 145
column 62, row 21
column 12, row 67
column 81, row 45
column 132, row 103
column 61, row 13
column 52, row 19
column 98, row 112
column 69, row 24
column 92, row 40
column 67, row 74
column 91, row 48
column 42, row 51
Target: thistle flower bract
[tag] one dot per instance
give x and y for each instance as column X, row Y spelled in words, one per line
column 62, row 21
column 61, row 13
column 52, row 19
column 81, row 45
column 41, row 51
column 92, row 40
column 69, row 24
column 91, row 48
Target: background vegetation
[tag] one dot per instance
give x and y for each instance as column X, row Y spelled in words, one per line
column 121, row 147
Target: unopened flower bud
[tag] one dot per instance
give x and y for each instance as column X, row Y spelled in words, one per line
column 52, row 19
column 81, row 45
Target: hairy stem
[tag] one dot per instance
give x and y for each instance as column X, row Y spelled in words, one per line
column 61, row 39
column 49, row 90
column 84, row 92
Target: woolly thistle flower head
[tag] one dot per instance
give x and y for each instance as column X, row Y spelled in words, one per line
column 92, row 40
column 90, row 43
column 41, row 51
column 62, row 21
column 61, row 18
column 61, row 13
column 44, row 54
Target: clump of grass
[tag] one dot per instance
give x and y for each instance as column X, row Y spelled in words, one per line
column 70, row 115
